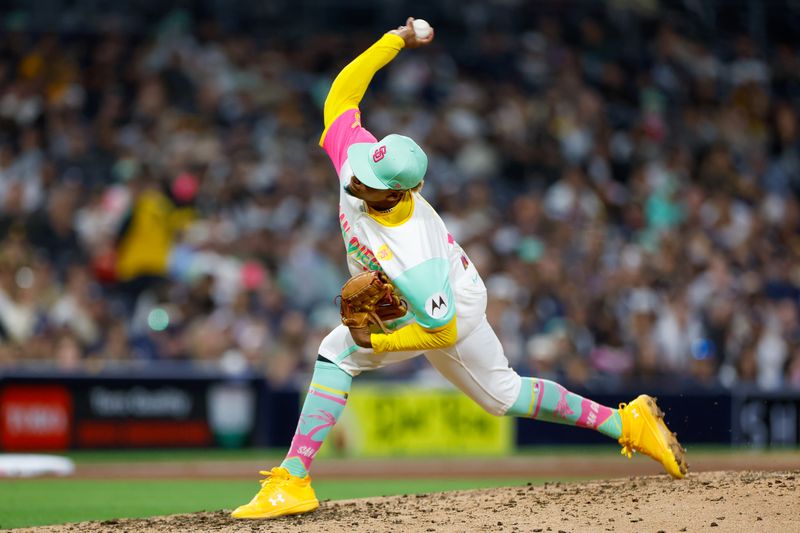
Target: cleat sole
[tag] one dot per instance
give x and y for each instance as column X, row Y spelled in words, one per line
column 675, row 449
column 300, row 508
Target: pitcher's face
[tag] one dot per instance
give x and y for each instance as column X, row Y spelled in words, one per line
column 379, row 199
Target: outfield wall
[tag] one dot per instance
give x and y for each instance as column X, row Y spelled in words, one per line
column 57, row 412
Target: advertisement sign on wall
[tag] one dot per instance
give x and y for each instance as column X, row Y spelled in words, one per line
column 762, row 419
column 133, row 415
column 231, row 413
column 404, row 420
column 35, row 417
column 93, row 412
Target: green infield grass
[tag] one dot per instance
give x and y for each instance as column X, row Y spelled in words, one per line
column 172, row 455
column 33, row 502
column 29, row 502
column 210, row 454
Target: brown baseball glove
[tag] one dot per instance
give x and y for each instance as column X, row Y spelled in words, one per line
column 369, row 299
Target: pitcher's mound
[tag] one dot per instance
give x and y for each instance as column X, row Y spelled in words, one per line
column 708, row 501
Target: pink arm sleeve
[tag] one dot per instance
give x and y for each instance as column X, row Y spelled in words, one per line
column 343, row 132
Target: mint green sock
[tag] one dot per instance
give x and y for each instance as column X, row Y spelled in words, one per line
column 545, row 400
column 327, row 395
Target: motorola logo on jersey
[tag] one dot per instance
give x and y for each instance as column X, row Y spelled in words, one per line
column 438, row 305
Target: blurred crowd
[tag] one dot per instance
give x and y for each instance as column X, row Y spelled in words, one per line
column 630, row 198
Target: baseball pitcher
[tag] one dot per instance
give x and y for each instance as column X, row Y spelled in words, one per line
column 415, row 292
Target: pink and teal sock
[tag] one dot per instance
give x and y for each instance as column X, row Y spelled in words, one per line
column 545, row 400
column 324, row 403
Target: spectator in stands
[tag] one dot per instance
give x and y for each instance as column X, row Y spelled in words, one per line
column 633, row 202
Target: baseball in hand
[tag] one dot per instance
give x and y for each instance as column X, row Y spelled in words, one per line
column 421, row 28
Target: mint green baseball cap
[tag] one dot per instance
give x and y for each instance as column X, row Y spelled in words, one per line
column 395, row 162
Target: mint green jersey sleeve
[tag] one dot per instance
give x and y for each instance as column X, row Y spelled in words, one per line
column 426, row 287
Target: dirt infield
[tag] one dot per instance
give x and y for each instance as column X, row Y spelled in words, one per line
column 707, row 501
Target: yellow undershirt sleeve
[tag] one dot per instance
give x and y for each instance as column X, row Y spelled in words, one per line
column 415, row 337
column 350, row 85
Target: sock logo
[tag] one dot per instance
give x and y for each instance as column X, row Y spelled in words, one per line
column 591, row 419
column 306, row 451
column 563, row 410
column 438, row 305
column 304, row 447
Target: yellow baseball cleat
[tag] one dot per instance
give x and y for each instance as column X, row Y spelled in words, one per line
column 644, row 431
column 281, row 494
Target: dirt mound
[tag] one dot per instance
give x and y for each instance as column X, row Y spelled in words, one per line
column 713, row 501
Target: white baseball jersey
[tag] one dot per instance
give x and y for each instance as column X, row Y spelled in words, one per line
column 423, row 261
column 420, row 257
column 433, row 274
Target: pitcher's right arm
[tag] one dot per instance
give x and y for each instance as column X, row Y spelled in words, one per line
column 342, row 117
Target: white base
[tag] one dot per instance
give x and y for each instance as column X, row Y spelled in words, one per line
column 30, row 465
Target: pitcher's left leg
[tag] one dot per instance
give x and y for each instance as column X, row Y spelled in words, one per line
column 546, row 400
column 477, row 365
column 637, row 426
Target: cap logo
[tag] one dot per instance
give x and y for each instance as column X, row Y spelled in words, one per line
column 379, row 153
